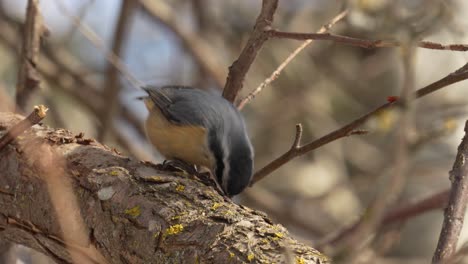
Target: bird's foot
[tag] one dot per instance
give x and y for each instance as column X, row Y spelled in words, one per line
column 179, row 165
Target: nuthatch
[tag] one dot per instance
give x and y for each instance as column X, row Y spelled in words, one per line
column 200, row 128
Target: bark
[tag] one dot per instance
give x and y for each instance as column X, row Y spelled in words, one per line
column 133, row 212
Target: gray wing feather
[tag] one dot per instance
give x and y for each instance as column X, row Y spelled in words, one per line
column 182, row 105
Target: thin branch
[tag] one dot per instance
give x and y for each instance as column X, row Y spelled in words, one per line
column 28, row 78
column 291, row 56
column 363, row 43
column 33, row 118
column 457, row 76
column 112, row 85
column 456, row 208
column 297, row 150
column 238, row 70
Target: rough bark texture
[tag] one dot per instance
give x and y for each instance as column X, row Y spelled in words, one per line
column 134, row 213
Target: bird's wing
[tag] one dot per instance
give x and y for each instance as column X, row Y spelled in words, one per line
column 180, row 104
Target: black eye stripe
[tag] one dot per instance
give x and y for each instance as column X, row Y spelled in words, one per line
column 214, row 145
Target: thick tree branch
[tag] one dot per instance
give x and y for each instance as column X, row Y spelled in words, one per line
column 133, row 212
column 455, row 211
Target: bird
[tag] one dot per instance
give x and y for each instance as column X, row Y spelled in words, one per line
column 200, row 128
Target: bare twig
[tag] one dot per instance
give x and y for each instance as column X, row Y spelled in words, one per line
column 33, row 118
column 456, row 208
column 297, row 150
column 291, row 56
column 198, row 48
column 112, row 85
column 238, row 70
column 363, row 43
column 28, row 79
column 457, row 76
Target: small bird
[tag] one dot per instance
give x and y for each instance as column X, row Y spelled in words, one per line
column 200, row 128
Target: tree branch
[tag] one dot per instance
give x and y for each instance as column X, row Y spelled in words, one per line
column 133, row 212
column 291, row 56
column 457, row 76
column 363, row 43
column 456, row 208
column 238, row 70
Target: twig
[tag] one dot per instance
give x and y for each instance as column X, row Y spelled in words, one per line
column 457, row 76
column 298, row 150
column 291, row 56
column 28, row 77
column 238, row 70
column 456, row 208
column 363, row 43
column 112, row 86
column 198, row 48
column 33, row 118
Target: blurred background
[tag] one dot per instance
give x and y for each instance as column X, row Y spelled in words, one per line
column 316, row 196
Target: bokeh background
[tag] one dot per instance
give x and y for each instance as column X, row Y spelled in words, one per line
column 326, row 86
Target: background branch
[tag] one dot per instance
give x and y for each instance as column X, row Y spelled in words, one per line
column 112, row 85
column 28, row 79
column 455, row 211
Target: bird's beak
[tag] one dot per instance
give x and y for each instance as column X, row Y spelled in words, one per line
column 141, row 97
